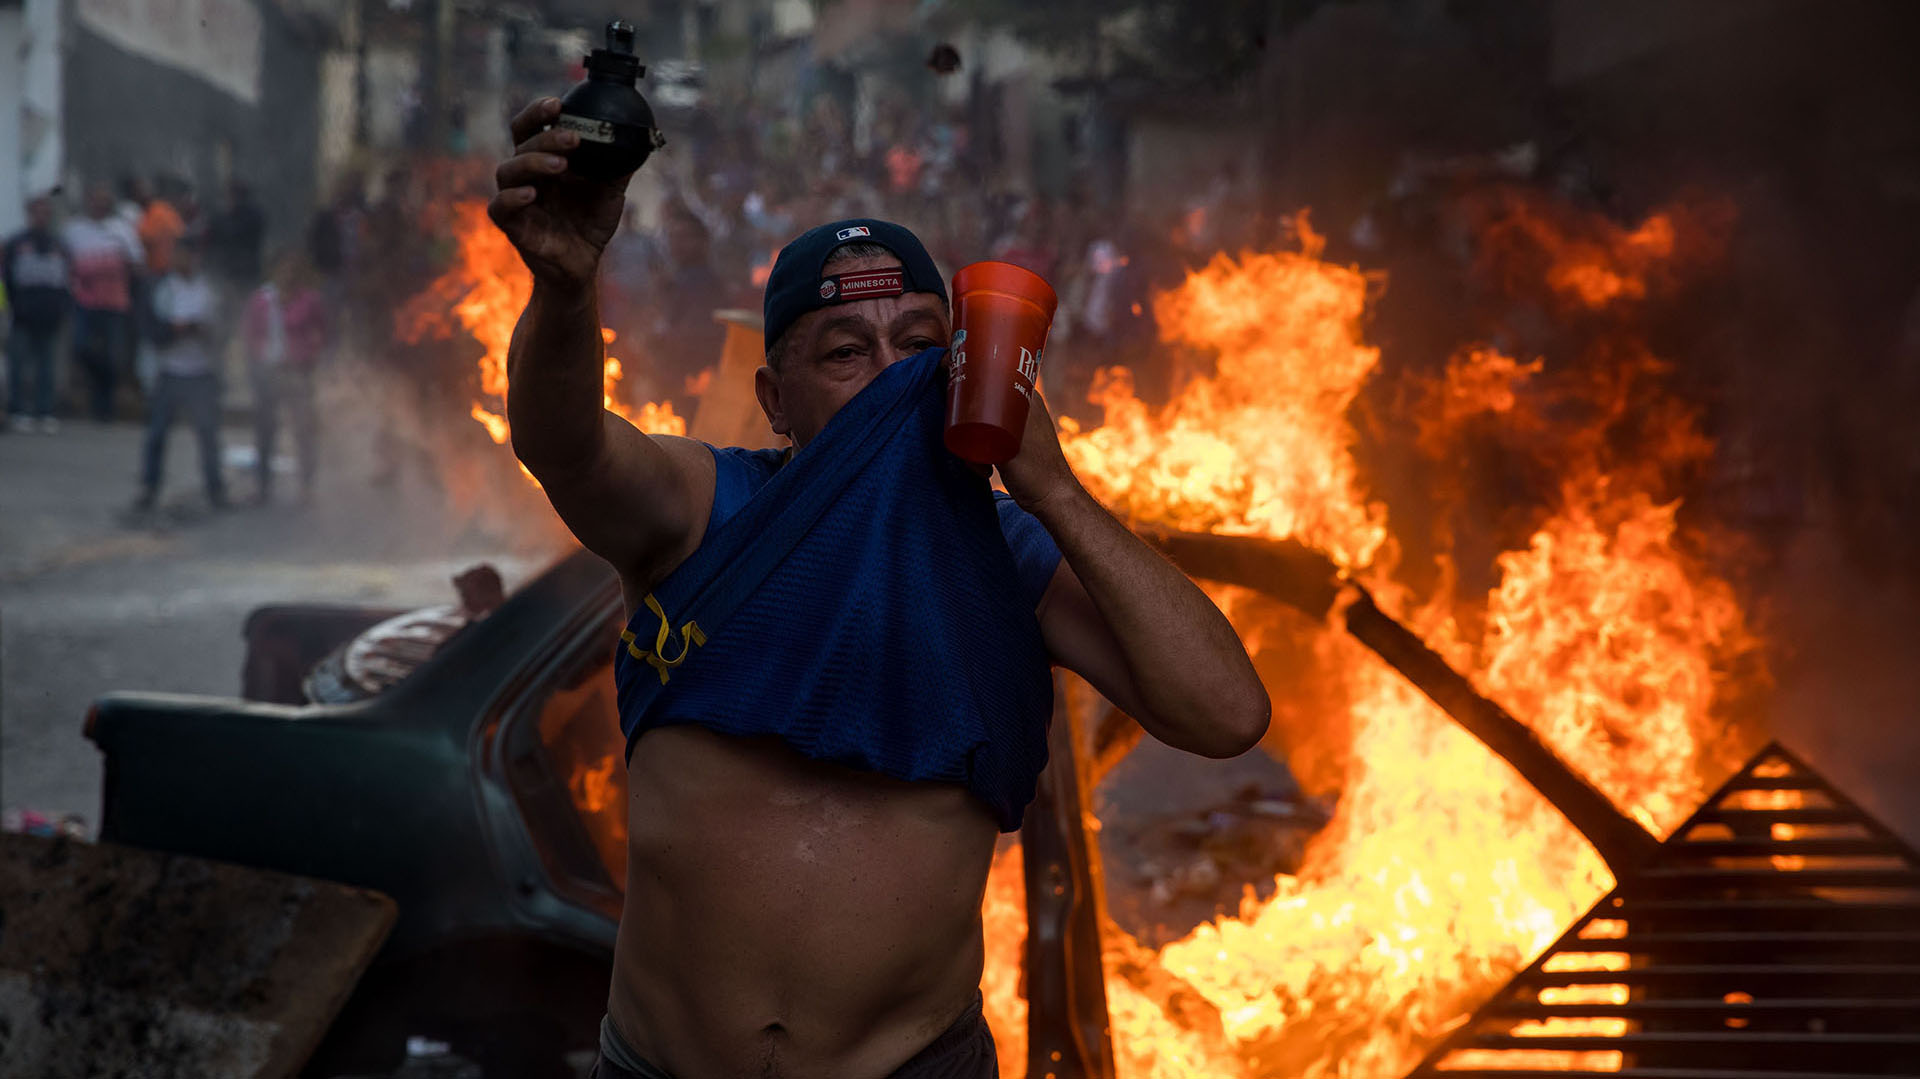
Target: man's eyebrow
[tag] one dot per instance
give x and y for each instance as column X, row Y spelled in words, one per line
column 852, row 324
column 909, row 318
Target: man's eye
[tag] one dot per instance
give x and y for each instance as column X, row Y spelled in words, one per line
column 844, row 352
column 921, row 344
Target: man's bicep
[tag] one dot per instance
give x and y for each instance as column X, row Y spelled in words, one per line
column 1078, row 638
column 639, row 499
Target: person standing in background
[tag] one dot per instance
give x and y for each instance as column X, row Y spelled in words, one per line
column 194, row 219
column 184, row 317
column 36, row 271
column 106, row 254
column 160, row 229
column 284, row 330
column 135, row 193
column 684, row 338
column 234, row 238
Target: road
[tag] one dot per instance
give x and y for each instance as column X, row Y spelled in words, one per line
column 93, row 599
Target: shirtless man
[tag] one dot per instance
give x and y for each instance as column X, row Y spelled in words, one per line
column 788, row 917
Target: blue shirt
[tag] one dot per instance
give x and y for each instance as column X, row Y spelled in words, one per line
column 897, row 636
column 738, row 473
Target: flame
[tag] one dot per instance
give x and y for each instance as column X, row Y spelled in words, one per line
column 1593, row 278
column 1003, row 918
column 1286, row 374
column 1587, row 262
column 594, row 788
column 485, row 290
column 1441, row 872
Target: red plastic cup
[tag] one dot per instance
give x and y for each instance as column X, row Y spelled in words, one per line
column 1001, row 314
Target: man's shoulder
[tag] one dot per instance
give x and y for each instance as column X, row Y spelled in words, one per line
column 767, row 461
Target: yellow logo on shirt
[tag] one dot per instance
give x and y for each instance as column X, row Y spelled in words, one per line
column 690, row 637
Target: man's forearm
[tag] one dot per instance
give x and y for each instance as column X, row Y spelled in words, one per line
column 554, row 379
column 1186, row 664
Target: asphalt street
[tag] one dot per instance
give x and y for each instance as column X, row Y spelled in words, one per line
column 95, row 598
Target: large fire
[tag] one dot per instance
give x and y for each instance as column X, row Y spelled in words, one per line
column 485, row 290
column 1441, row 872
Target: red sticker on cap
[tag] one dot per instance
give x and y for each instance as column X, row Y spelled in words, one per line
column 859, row 286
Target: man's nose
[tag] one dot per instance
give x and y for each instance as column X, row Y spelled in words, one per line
column 889, row 355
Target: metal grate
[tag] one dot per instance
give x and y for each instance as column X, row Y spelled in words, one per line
column 1776, row 935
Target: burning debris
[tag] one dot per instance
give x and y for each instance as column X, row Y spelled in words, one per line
column 1766, row 936
column 1440, row 871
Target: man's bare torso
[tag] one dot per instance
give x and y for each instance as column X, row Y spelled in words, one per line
column 791, row 919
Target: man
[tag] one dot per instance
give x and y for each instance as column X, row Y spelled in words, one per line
column 188, row 380
column 234, row 238
column 106, row 253
column 284, row 333
column 684, row 339
column 35, row 269
column 161, row 226
column 816, row 778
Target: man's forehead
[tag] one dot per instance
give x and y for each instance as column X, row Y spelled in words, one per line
column 886, row 309
column 883, row 312
column 881, row 315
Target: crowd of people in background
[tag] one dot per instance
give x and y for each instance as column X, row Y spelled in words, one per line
column 740, row 184
column 707, row 215
column 127, row 303
column 142, row 302
column 704, row 221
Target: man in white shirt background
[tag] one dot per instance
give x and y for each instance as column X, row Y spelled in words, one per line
column 106, row 255
column 188, row 381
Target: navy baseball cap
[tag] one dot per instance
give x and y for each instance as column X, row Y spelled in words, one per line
column 798, row 284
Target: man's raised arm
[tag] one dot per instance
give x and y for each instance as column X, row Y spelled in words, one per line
column 626, row 496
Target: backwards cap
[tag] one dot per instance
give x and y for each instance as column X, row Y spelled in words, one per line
column 798, row 283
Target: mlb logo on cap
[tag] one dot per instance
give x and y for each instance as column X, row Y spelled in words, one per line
column 852, row 233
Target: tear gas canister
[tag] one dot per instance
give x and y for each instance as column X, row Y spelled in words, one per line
column 614, row 122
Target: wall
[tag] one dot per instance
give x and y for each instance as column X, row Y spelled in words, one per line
column 13, row 32
column 129, row 112
column 1591, row 36
column 30, row 135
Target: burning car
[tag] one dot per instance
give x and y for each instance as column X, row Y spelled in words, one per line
column 463, row 760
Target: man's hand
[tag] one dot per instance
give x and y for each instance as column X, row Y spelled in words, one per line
column 1039, row 472
column 558, row 221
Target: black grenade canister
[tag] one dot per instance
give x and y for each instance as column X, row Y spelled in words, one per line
column 614, row 122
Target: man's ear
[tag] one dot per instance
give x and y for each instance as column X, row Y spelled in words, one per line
column 766, row 386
